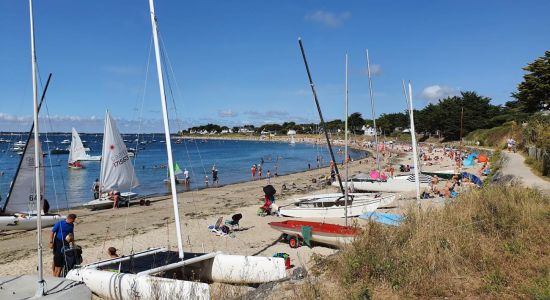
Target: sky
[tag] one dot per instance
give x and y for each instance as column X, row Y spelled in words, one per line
column 238, row 62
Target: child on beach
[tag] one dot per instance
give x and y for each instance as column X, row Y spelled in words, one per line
column 206, row 181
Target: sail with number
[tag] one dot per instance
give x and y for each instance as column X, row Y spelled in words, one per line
column 22, row 195
column 77, row 151
column 117, row 171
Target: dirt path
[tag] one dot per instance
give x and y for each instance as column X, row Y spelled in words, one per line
column 515, row 166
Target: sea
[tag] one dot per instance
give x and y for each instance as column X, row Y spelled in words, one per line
column 232, row 158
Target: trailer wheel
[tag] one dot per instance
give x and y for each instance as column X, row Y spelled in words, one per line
column 147, row 203
column 141, row 202
column 293, row 242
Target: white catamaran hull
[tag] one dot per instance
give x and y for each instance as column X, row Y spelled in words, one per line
column 121, row 286
column 27, row 223
column 355, row 209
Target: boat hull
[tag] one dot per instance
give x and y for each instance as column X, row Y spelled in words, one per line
column 391, row 185
column 27, row 223
column 329, row 234
column 105, row 202
column 355, row 209
column 121, row 286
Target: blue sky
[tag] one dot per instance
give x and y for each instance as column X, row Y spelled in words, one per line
column 238, row 62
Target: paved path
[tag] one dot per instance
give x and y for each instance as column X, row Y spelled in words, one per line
column 514, row 165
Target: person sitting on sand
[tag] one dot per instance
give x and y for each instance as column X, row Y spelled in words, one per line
column 112, row 252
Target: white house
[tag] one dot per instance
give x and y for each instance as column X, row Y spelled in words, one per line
column 369, row 131
column 245, row 130
column 291, row 132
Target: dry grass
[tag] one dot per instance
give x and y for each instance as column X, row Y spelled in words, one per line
column 490, row 243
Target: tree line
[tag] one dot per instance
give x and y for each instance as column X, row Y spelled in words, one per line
column 449, row 117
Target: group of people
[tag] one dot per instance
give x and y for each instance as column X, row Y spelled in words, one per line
column 215, row 178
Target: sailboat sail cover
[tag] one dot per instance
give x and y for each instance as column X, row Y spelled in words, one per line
column 77, row 151
column 22, row 197
column 117, row 171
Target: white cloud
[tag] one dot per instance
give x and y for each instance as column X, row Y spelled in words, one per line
column 375, row 70
column 433, row 93
column 327, row 18
column 227, row 114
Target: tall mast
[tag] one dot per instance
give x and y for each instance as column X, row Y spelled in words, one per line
column 413, row 138
column 371, row 94
column 321, row 116
column 38, row 195
column 166, row 129
column 346, row 146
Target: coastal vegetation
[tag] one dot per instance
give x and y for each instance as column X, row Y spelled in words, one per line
column 491, row 242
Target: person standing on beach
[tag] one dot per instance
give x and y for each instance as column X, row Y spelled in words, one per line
column 268, row 176
column 253, row 170
column 58, row 243
column 95, row 188
column 206, row 181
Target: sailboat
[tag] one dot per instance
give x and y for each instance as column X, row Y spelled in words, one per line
column 117, row 171
column 77, row 151
column 159, row 271
column 177, row 171
column 38, row 286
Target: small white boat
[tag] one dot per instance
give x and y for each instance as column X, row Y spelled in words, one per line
column 19, row 209
column 65, row 142
column 106, row 202
column 117, row 171
column 19, row 144
column 333, row 206
column 27, row 222
column 401, row 183
column 77, row 151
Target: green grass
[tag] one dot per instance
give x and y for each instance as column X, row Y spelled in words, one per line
column 489, row 243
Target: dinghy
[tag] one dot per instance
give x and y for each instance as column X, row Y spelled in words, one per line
column 117, row 171
column 328, row 234
column 334, row 205
column 401, row 183
column 77, row 151
column 173, row 274
column 19, row 209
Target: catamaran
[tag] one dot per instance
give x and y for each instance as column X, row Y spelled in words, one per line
column 162, row 272
column 117, row 170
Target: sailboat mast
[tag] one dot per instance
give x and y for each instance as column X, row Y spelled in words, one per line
column 413, row 138
column 166, row 129
column 346, row 147
column 41, row 286
column 371, row 94
column 321, row 116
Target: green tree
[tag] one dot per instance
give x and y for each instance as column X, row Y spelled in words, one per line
column 355, row 121
column 534, row 92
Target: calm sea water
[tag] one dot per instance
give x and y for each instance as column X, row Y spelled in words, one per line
column 233, row 159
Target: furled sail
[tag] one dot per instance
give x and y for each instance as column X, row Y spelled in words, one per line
column 117, row 171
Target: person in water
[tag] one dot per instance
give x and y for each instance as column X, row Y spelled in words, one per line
column 215, row 177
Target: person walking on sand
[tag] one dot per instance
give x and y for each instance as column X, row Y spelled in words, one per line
column 260, row 171
column 206, row 181
column 58, row 242
column 268, row 176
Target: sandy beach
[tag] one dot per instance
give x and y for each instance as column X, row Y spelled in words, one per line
column 138, row 227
